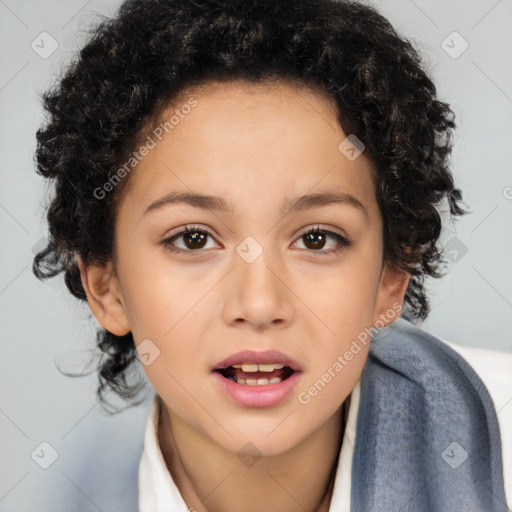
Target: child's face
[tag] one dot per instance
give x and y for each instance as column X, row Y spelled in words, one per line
column 255, row 148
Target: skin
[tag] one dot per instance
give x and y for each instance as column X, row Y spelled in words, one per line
column 253, row 146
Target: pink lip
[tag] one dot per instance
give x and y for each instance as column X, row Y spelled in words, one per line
column 268, row 356
column 257, row 396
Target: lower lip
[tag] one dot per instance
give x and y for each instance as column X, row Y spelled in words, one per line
column 266, row 395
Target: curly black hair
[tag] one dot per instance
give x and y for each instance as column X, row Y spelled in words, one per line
column 137, row 62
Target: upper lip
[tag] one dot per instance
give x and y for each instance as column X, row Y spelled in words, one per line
column 251, row 356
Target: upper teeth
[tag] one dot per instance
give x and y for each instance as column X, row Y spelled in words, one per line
column 267, row 367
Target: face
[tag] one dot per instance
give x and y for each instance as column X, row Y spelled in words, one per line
column 249, row 274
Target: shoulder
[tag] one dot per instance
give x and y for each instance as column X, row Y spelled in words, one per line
column 492, row 366
column 495, row 370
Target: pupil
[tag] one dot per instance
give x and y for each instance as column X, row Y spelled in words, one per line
column 196, row 238
column 310, row 237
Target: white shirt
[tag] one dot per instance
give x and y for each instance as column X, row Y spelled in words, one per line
column 158, row 492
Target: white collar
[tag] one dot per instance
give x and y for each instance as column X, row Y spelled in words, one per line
column 159, row 493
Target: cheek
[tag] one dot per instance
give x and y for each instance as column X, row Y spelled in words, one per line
column 158, row 295
column 163, row 305
column 333, row 381
column 344, row 300
column 344, row 297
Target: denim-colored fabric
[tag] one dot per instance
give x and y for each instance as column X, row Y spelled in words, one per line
column 427, row 437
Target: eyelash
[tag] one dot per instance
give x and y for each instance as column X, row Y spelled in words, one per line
column 343, row 242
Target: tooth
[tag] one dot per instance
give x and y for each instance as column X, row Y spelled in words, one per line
column 236, row 365
column 259, row 382
column 249, row 367
column 269, row 367
column 278, row 366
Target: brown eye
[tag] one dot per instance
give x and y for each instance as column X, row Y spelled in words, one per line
column 316, row 239
column 192, row 239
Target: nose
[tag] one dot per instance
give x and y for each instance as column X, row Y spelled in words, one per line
column 257, row 294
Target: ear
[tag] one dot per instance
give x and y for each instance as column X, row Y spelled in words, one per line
column 104, row 298
column 390, row 295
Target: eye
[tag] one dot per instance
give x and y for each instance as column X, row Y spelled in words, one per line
column 193, row 237
column 315, row 239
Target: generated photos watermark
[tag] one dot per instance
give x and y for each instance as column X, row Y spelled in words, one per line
column 136, row 156
column 362, row 339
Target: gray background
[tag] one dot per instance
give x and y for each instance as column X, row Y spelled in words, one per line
column 41, row 323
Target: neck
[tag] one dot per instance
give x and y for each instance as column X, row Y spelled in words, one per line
column 211, row 479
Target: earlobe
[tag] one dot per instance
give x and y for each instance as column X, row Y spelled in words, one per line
column 104, row 297
column 390, row 296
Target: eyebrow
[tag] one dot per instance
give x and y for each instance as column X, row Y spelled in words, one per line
column 215, row 203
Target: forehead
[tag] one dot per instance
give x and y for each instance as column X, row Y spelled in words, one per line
column 251, row 140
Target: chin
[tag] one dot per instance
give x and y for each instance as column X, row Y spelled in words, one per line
column 261, row 438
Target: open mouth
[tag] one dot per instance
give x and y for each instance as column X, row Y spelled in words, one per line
column 256, row 374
